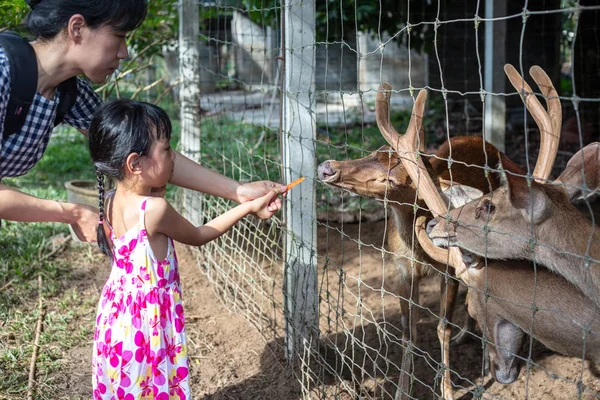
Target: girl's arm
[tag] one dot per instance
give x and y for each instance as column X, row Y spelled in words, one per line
column 191, row 175
column 161, row 217
column 18, row 206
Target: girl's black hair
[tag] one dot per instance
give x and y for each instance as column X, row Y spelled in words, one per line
column 119, row 128
column 48, row 17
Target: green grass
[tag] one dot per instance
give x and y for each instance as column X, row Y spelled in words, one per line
column 22, row 247
column 66, row 158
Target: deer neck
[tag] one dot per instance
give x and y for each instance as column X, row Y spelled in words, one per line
column 574, row 255
column 401, row 239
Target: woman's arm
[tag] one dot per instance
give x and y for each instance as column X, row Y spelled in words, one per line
column 18, row 206
column 191, row 175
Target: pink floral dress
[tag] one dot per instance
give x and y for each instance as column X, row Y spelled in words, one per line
column 140, row 347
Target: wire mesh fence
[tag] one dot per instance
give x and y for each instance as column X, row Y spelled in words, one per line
column 380, row 329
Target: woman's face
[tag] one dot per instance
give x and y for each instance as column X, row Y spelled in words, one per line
column 101, row 51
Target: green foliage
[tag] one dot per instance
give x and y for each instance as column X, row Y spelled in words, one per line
column 354, row 141
column 12, row 14
column 161, row 26
column 233, row 149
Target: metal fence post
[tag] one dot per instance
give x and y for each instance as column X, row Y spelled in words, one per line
column 298, row 142
column 495, row 57
column 189, row 94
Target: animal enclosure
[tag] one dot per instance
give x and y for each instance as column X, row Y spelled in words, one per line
column 340, row 279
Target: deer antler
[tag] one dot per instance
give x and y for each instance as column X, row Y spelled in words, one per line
column 549, row 142
column 549, row 121
column 414, row 166
column 382, row 114
column 436, row 253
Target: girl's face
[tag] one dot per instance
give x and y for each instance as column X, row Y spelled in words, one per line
column 158, row 165
column 100, row 52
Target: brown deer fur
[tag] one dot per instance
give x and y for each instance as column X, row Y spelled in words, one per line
column 501, row 297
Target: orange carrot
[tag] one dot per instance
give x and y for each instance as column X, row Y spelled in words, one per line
column 292, row 184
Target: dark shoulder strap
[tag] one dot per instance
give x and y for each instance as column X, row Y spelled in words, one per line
column 68, row 97
column 23, row 62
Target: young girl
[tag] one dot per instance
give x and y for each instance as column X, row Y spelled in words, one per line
column 139, row 341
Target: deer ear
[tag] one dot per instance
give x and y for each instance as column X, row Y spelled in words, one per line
column 459, row 195
column 582, row 168
column 529, row 198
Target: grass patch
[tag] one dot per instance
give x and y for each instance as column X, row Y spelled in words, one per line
column 69, row 318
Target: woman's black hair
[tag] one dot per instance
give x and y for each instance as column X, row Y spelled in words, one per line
column 48, row 17
column 119, row 128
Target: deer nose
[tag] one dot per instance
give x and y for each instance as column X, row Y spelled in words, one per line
column 325, row 171
column 431, row 224
column 468, row 257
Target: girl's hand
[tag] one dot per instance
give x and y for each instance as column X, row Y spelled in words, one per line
column 254, row 190
column 266, row 206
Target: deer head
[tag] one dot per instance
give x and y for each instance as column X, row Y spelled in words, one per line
column 549, row 123
column 497, row 205
column 500, row 225
column 382, row 173
column 379, row 175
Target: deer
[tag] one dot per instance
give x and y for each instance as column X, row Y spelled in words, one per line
column 501, row 294
column 533, row 219
column 575, row 314
column 381, row 175
column 384, row 174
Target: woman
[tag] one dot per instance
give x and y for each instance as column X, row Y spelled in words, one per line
column 86, row 37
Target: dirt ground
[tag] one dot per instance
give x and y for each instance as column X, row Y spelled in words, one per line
column 230, row 360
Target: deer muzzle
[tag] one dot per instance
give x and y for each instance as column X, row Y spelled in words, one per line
column 326, row 172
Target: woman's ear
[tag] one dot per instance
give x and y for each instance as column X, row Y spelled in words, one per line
column 75, row 27
column 132, row 164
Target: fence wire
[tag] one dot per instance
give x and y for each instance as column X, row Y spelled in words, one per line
column 364, row 282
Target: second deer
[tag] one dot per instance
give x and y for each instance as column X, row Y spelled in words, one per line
column 509, row 299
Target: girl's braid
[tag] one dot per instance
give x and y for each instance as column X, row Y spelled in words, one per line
column 100, row 179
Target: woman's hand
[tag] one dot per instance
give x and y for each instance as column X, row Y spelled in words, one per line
column 253, row 190
column 266, row 206
column 86, row 222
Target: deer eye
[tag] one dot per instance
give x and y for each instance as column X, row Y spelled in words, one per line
column 485, row 208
